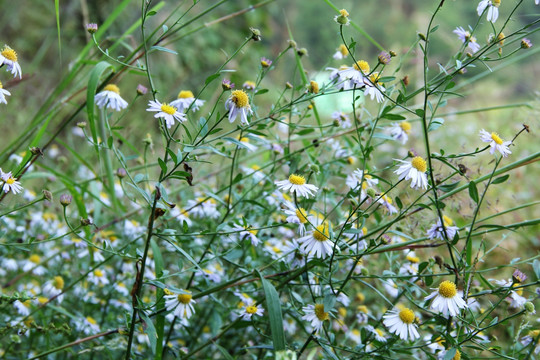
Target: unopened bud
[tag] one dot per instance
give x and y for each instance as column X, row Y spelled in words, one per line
column 292, row 43
column 393, row 53
column 313, row 87
column 302, row 52
column 288, row 85
column 529, row 307
column 422, row 36
column 255, row 34
column 266, row 63
column 91, row 28
column 141, row 90
column 48, row 195
column 65, row 199
column 227, row 85
column 121, row 173
column 36, row 151
column 314, row 168
column 371, row 192
column 81, row 124
column 384, row 58
column 526, row 44
column 86, row 222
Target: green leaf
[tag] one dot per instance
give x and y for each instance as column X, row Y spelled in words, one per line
column 393, row 117
column 163, row 49
column 536, row 268
column 162, row 165
column 160, row 318
column 150, row 330
column 398, row 203
column 473, row 192
column 435, row 124
column 274, row 313
column 211, row 78
column 262, row 91
column 449, row 187
column 90, row 94
column 224, row 352
column 500, row 179
column 420, row 113
column 450, row 354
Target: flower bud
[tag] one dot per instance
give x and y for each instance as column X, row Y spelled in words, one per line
column 121, row 173
column 314, row 168
column 141, row 90
column 313, row 87
column 91, row 28
column 65, row 199
column 422, row 36
column 384, row 58
column 86, row 222
column 48, row 195
column 255, row 34
column 371, row 192
column 302, row 52
column 288, row 85
column 227, row 85
column 393, row 53
column 266, row 63
column 36, row 151
column 526, row 44
column 529, row 307
column 81, row 124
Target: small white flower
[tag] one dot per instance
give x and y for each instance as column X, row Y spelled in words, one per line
column 89, row 326
column 244, row 298
column 400, row 131
column 401, row 323
column 436, row 230
column 374, row 88
column 465, row 37
column 243, row 233
column 317, row 243
column 354, row 179
column 391, row 287
column 297, row 216
column 341, row 52
column 213, row 272
column 495, row 142
column 110, row 98
column 316, row 315
column 97, row 277
column 297, row 183
column 3, row 93
column 10, row 184
column 379, row 335
column 185, row 100
column 414, row 170
column 8, row 57
column 493, row 9
column 167, row 112
column 238, row 104
column 249, row 310
column 354, row 74
column 342, row 118
column 54, row 288
column 447, row 299
column 181, row 303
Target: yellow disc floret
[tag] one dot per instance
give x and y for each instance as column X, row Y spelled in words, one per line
column 91, row 320
column 344, row 12
column 457, row 356
column 297, row 179
column 252, row 309
column 447, row 289
column 184, row 298
column 9, row 53
column 185, row 94
column 301, row 215
column 362, row 66
column 10, row 180
column 58, row 282
column 1, row 86
column 343, row 50
column 405, row 126
column 168, row 109
column 321, row 233
column 98, row 273
column 419, row 164
column 113, row 88
column 35, row 259
column 407, row 316
column 447, row 221
column 496, row 138
column 496, row 3
column 320, row 313
column 240, row 98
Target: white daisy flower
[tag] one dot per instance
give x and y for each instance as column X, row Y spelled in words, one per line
column 355, row 74
column 3, row 94
column 492, row 9
column 22, row 307
column 213, row 272
column 379, row 335
column 532, row 335
column 249, row 310
column 238, row 105
column 316, row 315
column 297, row 216
column 8, row 57
column 391, row 287
column 33, row 263
column 401, row 323
column 495, row 142
column 374, row 88
column 341, row 52
column 400, row 131
column 297, row 183
column 185, row 100
column 98, row 277
column 447, row 300
column 244, row 298
column 110, row 98
column 465, row 37
column 386, row 202
column 10, row 184
column 167, row 112
column 354, row 335
column 353, row 179
column 181, row 303
column 436, row 230
column 317, row 243
column 54, row 288
column 414, row 170
column 342, row 118
column 245, row 232
column 89, row 326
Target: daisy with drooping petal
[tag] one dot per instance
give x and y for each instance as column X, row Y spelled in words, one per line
column 374, row 88
column 492, row 9
column 495, row 142
column 447, row 300
column 89, row 326
column 10, row 184
column 238, row 104
column 400, row 131
column 98, row 277
column 342, row 118
column 110, row 98
column 379, row 335
column 316, row 315
column 167, row 112
column 8, row 57
column 185, row 100
column 297, row 216
column 355, row 74
column 436, row 230
column 341, row 52
column 181, row 303
column 414, row 170
column 297, row 183
column 245, row 233
column 3, row 93
column 54, row 288
column 251, row 309
column 401, row 323
column 465, row 37
column 317, row 243
column 386, row 202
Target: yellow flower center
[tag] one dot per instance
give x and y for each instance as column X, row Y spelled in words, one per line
column 534, row 333
column 496, row 3
column 240, row 98
column 9, row 54
column 447, row 221
column 35, row 259
column 320, row 313
column 301, row 215
column 447, row 289
column 406, row 315
column 362, row 66
column 249, row 84
column 313, row 87
column 458, row 353
column 252, row 309
column 374, row 78
column 113, row 88
column 405, row 126
column 98, row 273
column 413, row 259
column 364, row 230
column 1, row 86
column 496, row 138
column 297, row 179
column 244, row 139
column 58, row 282
column 42, row 299
column 321, row 233
column 387, row 199
column 344, row 13
column 343, row 50
column 185, row 94
column 419, row 164
column 168, row 109
column 10, row 181
column 91, row 320
column 184, row 298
